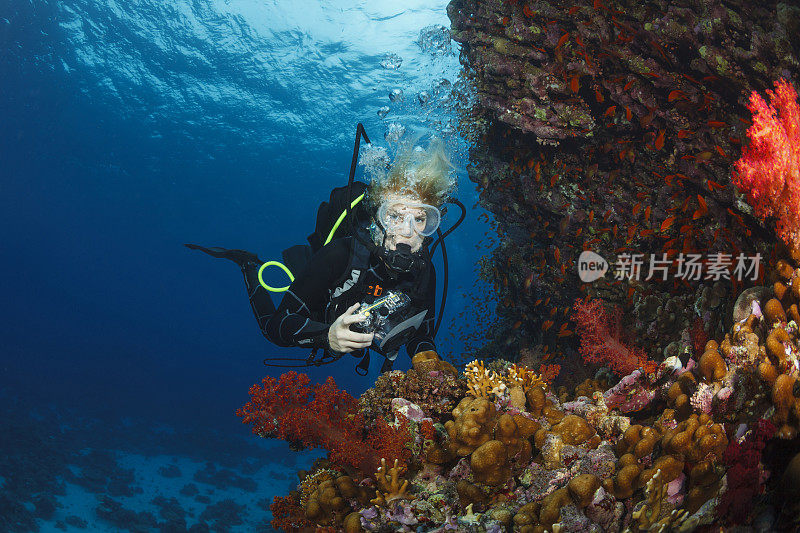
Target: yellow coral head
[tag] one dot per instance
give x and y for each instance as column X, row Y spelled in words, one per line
column 524, row 377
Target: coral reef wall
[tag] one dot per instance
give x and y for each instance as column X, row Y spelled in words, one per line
column 702, row 446
column 618, row 129
column 614, row 127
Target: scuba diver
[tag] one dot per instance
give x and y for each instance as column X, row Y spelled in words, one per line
column 372, row 286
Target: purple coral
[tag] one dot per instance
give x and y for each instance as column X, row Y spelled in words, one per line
column 605, row 511
column 401, row 512
column 632, row 393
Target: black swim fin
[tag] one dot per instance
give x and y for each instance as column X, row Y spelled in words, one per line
column 260, row 301
column 240, row 257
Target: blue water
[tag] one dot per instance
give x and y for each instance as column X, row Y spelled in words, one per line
column 129, row 128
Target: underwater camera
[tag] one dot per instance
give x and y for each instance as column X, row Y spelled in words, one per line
column 388, row 318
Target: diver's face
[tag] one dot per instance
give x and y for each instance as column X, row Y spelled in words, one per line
column 402, row 225
column 393, row 239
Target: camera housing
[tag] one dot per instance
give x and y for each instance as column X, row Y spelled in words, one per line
column 390, row 318
column 381, row 314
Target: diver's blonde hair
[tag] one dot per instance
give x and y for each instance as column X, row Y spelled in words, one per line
column 423, row 174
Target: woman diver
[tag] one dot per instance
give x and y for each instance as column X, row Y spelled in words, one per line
column 374, row 288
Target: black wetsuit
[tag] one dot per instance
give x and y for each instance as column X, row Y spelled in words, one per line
column 337, row 276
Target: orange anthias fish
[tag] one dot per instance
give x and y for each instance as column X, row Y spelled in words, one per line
column 712, row 185
column 691, row 79
column 667, row 223
column 598, row 96
column 676, row 94
column 702, row 210
column 528, row 281
column 659, row 142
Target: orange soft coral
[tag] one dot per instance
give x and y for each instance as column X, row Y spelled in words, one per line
column 769, row 170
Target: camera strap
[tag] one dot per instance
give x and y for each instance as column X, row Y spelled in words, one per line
column 362, row 368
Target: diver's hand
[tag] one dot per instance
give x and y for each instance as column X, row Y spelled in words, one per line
column 342, row 339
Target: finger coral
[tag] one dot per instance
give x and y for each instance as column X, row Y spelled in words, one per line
column 485, row 383
column 390, row 487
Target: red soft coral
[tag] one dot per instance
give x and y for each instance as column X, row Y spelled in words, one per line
column 287, row 515
column 769, row 169
column 698, row 336
column 600, row 340
column 322, row 415
column 744, row 474
column 549, row 373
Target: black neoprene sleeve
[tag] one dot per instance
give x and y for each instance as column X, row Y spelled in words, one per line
column 298, row 320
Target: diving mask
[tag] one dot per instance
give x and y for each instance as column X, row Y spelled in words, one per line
column 403, row 217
